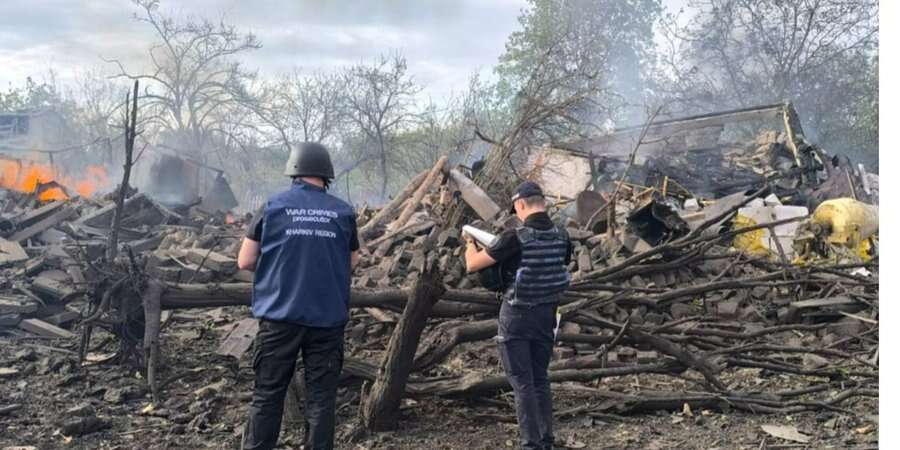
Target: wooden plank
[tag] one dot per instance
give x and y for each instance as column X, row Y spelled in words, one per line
column 124, row 233
column 828, row 302
column 407, row 230
column 45, row 224
column 213, row 260
column 239, row 339
column 35, row 215
column 794, row 132
column 380, row 316
column 243, row 275
column 18, row 305
column 34, row 265
column 102, row 217
column 10, row 320
column 11, row 252
column 823, row 302
column 58, row 290
column 192, row 273
column 165, row 273
column 389, row 211
column 62, row 318
column 148, row 244
column 42, row 328
column 859, row 318
column 137, row 206
column 474, row 196
column 416, row 199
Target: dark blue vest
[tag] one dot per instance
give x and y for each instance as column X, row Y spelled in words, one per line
column 543, row 276
column 303, row 270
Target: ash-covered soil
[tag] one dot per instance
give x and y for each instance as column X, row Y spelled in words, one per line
column 206, row 396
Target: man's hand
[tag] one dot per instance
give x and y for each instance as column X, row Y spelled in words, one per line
column 476, row 259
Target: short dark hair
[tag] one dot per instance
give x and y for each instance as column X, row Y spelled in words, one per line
column 535, row 200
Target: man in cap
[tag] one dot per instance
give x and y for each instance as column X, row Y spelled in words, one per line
column 302, row 246
column 539, row 253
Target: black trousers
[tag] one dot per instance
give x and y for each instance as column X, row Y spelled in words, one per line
column 525, row 338
column 276, row 348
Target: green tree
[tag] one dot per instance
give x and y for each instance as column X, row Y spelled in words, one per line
column 606, row 42
column 35, row 96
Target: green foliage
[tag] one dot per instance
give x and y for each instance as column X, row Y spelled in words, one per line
column 34, row 96
column 607, row 40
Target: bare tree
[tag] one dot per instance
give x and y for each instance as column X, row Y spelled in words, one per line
column 194, row 76
column 313, row 105
column 380, row 99
column 439, row 131
column 739, row 53
column 549, row 106
column 99, row 98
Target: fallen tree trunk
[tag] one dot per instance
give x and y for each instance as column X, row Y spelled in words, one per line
column 419, row 194
column 446, row 336
column 454, row 302
column 381, row 406
column 388, row 212
column 472, row 385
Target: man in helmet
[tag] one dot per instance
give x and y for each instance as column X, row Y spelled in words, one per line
column 539, row 252
column 302, row 246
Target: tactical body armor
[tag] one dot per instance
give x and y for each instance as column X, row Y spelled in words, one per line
column 542, row 276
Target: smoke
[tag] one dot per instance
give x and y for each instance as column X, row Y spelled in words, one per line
column 169, row 180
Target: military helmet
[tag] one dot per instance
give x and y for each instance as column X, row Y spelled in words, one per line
column 309, row 159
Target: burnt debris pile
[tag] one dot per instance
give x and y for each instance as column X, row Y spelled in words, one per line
column 709, row 265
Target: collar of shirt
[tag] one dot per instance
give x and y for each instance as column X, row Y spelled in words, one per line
column 539, row 220
column 298, row 183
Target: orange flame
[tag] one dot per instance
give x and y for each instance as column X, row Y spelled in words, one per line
column 51, row 194
column 96, row 178
column 24, row 176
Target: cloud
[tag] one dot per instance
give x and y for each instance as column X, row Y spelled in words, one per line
column 444, row 42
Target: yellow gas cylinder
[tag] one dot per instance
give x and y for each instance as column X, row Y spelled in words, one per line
column 846, row 221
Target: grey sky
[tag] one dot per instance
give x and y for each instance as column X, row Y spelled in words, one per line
column 445, row 42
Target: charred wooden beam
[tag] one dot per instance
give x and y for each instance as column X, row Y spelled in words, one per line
column 381, row 407
column 44, row 224
column 391, row 210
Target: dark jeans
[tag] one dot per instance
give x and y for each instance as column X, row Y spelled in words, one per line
column 276, row 348
column 526, row 344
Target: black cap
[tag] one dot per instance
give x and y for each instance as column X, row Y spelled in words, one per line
column 525, row 190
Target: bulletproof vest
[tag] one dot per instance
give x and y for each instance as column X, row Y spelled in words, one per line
column 303, row 270
column 543, row 276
